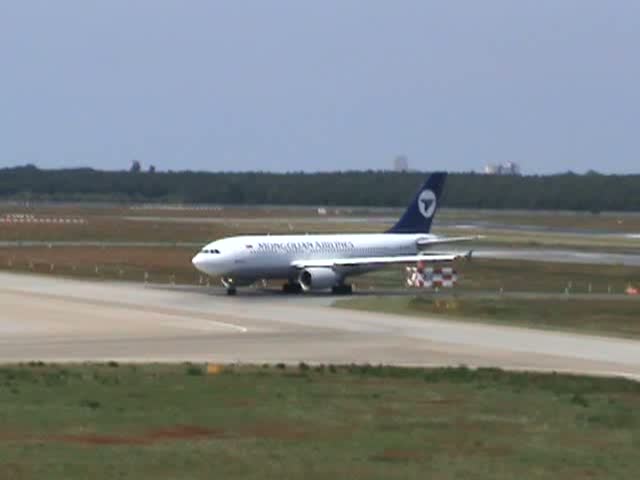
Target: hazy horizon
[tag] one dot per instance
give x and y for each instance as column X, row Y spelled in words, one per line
column 145, row 168
column 320, row 86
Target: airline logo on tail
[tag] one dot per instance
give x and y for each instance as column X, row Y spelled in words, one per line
column 427, row 203
column 422, row 210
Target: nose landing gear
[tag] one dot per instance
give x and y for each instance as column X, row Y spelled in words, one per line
column 229, row 284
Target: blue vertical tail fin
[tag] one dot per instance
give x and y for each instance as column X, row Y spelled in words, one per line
column 419, row 215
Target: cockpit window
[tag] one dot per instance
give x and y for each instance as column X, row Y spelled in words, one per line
column 210, row 251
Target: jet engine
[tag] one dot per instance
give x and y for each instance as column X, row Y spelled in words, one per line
column 318, row 278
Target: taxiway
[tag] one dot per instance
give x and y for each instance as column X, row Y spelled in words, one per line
column 54, row 319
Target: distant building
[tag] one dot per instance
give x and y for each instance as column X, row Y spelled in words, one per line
column 510, row 168
column 401, row 163
column 491, row 169
column 506, row 168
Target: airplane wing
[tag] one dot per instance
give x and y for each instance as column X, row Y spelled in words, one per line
column 424, row 242
column 399, row 259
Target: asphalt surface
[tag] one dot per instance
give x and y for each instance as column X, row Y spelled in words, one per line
column 53, row 319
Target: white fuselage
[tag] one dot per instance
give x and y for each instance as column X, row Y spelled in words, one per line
column 273, row 256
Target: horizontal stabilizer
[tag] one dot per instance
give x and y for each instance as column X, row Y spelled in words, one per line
column 423, row 242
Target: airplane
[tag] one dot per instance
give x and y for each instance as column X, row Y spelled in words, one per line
column 323, row 261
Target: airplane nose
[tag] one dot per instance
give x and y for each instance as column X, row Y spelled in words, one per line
column 197, row 261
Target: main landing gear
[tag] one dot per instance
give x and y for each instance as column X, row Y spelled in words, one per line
column 295, row 288
column 231, row 291
column 343, row 289
column 292, row 287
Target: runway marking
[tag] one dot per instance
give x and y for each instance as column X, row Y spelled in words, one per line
column 209, row 325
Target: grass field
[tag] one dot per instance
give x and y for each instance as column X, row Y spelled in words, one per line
column 123, row 223
column 158, row 421
column 578, row 221
column 615, row 316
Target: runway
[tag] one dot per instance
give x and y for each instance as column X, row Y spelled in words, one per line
column 53, row 319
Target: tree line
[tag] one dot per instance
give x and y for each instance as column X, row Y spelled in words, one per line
column 590, row 192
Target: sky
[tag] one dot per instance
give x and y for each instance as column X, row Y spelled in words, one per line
column 297, row 85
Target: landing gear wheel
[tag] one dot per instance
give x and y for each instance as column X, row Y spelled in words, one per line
column 231, row 291
column 345, row 289
column 292, row 287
